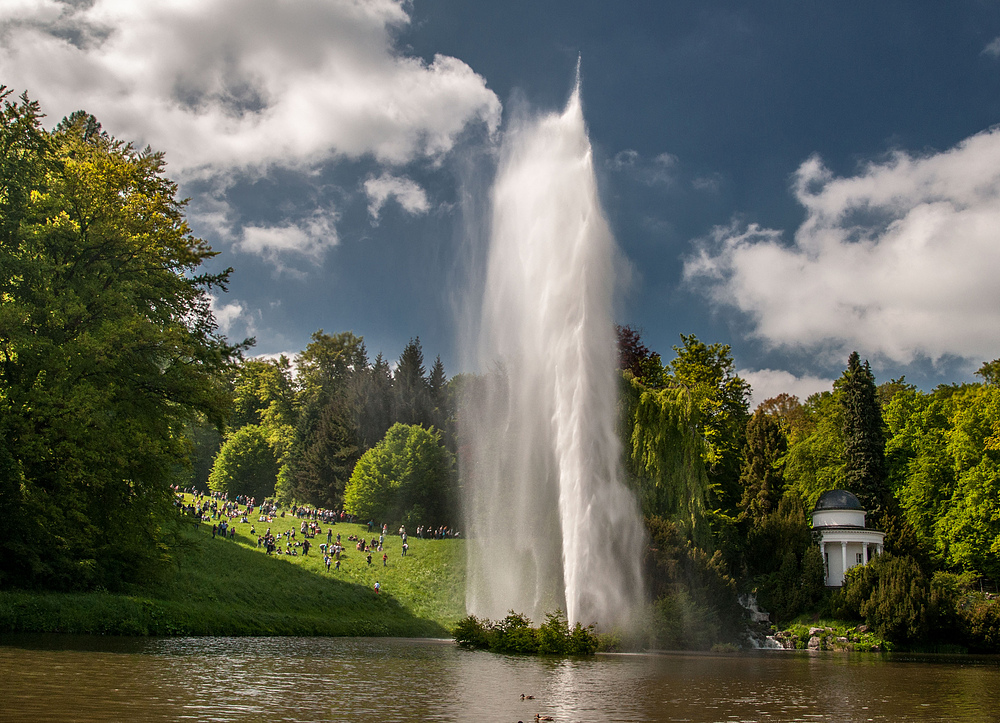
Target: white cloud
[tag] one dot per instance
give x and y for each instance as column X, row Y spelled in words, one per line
column 226, row 84
column 651, row 171
column 900, row 260
column 767, row 383
column 309, row 238
column 623, row 159
column 710, row 183
column 993, row 48
column 407, row 193
column 226, row 315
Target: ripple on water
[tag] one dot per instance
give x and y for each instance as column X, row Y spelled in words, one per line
column 322, row 679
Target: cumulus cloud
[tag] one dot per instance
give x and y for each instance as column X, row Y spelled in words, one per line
column 767, row 383
column 308, row 238
column 993, row 48
column 900, row 260
column 407, row 193
column 224, row 84
column 226, row 315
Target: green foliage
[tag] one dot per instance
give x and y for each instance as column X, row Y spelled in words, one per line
column 325, row 449
column 796, row 587
column 990, row 373
column 108, row 350
column 943, row 459
column 893, row 596
column 410, row 387
column 264, row 394
column 472, row 633
column 514, row 635
column 553, row 634
column 204, row 442
column 864, row 438
column 665, row 454
column 786, row 529
column 708, row 372
column 695, row 598
column 815, row 461
column 408, row 476
column 246, row 465
column 762, row 479
column 979, row 620
column 328, row 361
column 637, row 359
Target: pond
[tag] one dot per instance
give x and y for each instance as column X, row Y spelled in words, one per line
column 377, row 679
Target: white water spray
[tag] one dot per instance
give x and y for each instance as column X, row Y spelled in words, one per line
column 550, row 523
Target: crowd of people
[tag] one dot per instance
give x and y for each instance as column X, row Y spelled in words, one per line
column 218, row 509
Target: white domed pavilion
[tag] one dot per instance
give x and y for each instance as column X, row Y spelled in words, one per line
column 844, row 540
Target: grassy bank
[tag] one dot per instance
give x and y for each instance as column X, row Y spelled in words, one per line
column 230, row 587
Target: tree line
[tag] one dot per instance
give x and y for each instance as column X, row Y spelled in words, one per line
column 116, row 384
column 727, row 495
column 338, row 431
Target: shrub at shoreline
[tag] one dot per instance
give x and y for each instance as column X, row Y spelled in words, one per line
column 514, row 634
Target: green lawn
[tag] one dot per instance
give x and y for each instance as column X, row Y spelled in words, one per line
column 231, row 587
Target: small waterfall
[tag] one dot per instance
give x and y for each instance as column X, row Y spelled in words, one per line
column 549, row 521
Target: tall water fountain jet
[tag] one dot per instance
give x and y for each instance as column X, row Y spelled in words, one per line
column 549, row 521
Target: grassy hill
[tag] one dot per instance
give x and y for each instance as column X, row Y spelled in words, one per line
column 231, row 587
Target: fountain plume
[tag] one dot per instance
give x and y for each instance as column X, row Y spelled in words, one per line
column 550, row 523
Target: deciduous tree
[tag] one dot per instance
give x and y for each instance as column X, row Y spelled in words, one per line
column 108, row 349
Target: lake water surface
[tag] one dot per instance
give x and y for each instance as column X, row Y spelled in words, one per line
column 372, row 679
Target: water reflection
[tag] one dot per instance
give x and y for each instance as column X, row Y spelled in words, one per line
column 352, row 679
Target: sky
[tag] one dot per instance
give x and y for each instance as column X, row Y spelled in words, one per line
column 794, row 179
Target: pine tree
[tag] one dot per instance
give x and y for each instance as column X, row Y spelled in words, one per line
column 374, row 402
column 437, row 387
column 864, row 438
column 410, row 386
column 325, row 451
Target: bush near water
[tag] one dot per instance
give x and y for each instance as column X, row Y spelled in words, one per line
column 116, row 385
column 514, row 634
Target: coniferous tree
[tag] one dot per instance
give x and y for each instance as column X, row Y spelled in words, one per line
column 326, row 437
column 410, row 386
column 437, row 387
column 325, row 451
column 374, row 402
column 864, row 438
column 761, row 478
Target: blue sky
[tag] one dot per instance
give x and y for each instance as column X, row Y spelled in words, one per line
column 793, row 179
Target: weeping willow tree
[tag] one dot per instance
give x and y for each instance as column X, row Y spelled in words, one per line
column 665, row 455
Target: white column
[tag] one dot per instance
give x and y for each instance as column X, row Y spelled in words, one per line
column 826, row 568
column 843, row 554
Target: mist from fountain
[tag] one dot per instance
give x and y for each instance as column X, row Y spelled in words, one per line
column 549, row 520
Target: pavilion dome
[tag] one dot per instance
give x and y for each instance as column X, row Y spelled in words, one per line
column 838, row 500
